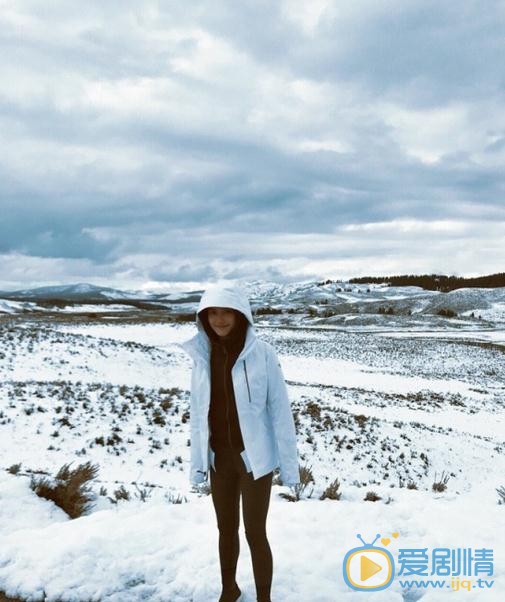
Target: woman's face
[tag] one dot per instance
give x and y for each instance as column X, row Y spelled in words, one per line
column 221, row 320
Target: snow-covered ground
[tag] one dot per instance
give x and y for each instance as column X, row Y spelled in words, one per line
column 385, row 412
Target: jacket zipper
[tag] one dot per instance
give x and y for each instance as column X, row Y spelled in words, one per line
column 247, row 382
column 208, row 420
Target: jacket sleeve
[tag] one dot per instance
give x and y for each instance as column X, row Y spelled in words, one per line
column 283, row 424
column 197, row 474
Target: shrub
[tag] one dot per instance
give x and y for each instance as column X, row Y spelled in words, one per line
column 361, row 420
column 306, row 477
column 120, row 494
column 143, row 494
column 14, row 468
column 371, row 496
column 172, row 499
column 410, row 484
column 165, row 404
column 448, row 313
column 441, row 485
column 501, row 493
column 70, row 491
column 332, row 491
column 263, row 311
column 313, row 409
column 386, row 310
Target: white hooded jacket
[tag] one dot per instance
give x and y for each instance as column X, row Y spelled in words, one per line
column 263, row 408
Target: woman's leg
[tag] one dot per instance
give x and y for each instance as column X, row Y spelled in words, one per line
column 255, row 502
column 224, row 483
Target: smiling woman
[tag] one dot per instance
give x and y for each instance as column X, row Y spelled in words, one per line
column 222, row 320
column 242, row 429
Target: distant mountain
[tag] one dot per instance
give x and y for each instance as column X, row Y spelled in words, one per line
column 69, row 292
column 90, row 293
column 320, row 302
column 181, row 297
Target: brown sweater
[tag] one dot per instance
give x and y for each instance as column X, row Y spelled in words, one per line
column 223, row 418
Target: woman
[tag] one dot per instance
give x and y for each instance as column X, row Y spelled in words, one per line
column 241, row 428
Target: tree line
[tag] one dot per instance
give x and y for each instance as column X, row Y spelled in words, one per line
column 435, row 282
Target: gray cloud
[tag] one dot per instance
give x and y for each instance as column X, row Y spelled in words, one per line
column 182, row 273
column 168, row 143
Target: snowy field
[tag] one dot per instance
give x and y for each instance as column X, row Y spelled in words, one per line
column 386, row 411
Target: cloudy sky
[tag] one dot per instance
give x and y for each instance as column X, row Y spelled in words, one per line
column 159, row 144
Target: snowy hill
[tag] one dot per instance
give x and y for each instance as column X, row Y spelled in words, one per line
column 13, row 307
column 307, row 302
column 386, row 412
column 71, row 292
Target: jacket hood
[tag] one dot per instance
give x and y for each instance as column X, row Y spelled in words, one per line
column 231, row 296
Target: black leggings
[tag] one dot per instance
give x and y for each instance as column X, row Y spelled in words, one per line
column 228, row 481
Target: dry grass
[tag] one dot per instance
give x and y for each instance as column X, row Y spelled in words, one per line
column 69, row 490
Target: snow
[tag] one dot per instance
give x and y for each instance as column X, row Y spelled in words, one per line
column 353, row 374
column 377, row 409
column 496, row 336
column 167, row 552
column 146, row 334
column 88, row 308
column 494, row 313
column 12, row 307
